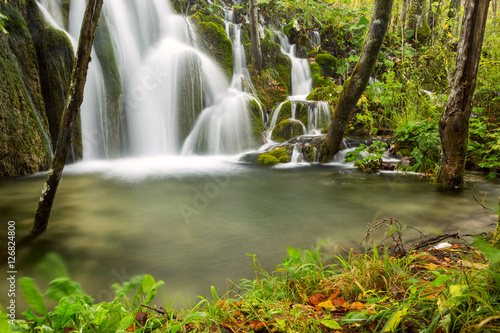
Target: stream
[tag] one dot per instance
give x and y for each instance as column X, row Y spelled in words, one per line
column 191, row 220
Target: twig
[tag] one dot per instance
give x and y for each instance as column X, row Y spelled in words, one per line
column 435, row 240
column 474, row 196
column 155, row 309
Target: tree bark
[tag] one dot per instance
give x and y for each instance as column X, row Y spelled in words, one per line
column 454, row 122
column 254, row 36
column 356, row 84
column 74, row 100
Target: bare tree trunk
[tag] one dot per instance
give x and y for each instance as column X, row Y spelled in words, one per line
column 356, row 84
column 254, row 35
column 454, row 122
column 74, row 100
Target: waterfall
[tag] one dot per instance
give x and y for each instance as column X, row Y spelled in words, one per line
column 174, row 98
column 224, row 128
column 301, row 74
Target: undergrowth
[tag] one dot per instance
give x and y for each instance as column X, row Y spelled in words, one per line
column 448, row 290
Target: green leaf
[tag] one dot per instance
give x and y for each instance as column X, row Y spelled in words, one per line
column 126, row 322
column 330, row 323
column 147, row 283
column 33, row 296
column 394, row 321
column 52, row 265
column 63, row 287
column 4, row 324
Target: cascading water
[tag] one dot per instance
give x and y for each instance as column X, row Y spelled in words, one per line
column 301, row 74
column 174, row 98
column 224, row 128
column 317, row 111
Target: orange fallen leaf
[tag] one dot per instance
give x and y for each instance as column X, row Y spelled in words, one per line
column 338, row 301
column 316, row 299
column 358, row 306
column 334, row 294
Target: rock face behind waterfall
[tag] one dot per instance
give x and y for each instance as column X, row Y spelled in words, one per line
column 24, row 144
column 55, row 57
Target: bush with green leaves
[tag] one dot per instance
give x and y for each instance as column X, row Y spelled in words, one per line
column 368, row 159
column 420, row 140
column 484, row 145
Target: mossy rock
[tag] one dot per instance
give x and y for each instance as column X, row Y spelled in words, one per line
column 301, row 109
column 104, row 49
column 328, row 64
column 256, row 114
column 287, row 129
column 318, row 76
column 213, row 40
column 267, row 159
column 274, row 82
column 275, row 156
column 281, row 154
column 24, row 144
column 55, row 56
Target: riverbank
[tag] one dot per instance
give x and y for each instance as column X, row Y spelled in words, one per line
column 431, row 290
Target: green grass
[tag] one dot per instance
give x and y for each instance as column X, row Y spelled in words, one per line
column 448, row 290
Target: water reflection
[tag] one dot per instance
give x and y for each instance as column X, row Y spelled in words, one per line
column 191, row 223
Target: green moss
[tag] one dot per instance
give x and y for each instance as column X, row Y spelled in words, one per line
column 213, row 40
column 318, row 79
column 281, row 154
column 22, row 144
column 274, row 82
column 267, row 159
column 256, row 118
column 328, row 64
column 286, row 130
column 275, row 156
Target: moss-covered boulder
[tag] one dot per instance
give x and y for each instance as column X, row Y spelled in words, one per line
column 104, row 49
column 267, row 159
column 318, row 78
column 274, row 156
column 24, row 142
column 256, row 119
column 213, row 40
column 328, row 64
column 287, row 129
column 274, row 82
column 55, row 56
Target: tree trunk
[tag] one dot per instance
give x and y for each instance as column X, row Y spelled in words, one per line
column 74, row 100
column 454, row 122
column 254, row 35
column 356, row 84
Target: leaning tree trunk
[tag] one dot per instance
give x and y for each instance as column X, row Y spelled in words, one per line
column 357, row 82
column 254, row 35
column 454, row 122
column 74, row 100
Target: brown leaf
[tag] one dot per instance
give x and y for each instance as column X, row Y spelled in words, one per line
column 335, row 293
column 256, row 324
column 141, row 318
column 338, row 301
column 316, row 299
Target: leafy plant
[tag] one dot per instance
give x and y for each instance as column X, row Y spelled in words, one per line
column 367, row 158
column 484, row 145
column 419, row 140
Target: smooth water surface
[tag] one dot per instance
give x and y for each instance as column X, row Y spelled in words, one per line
column 190, row 221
